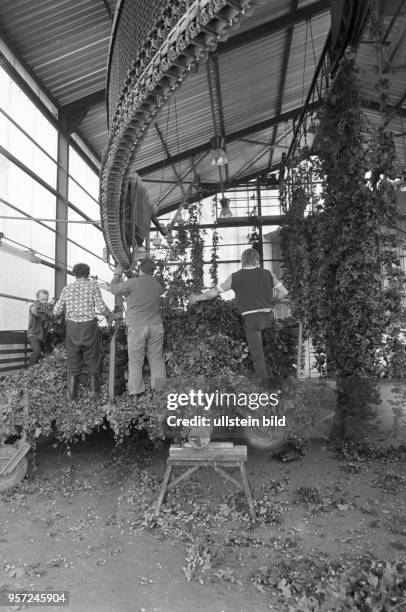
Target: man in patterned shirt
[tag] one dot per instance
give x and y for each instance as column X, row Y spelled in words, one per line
column 81, row 300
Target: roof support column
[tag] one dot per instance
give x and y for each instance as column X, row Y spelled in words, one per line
column 260, row 232
column 61, row 227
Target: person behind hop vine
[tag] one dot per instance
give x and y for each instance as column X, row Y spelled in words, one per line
column 81, row 300
column 254, row 291
column 36, row 332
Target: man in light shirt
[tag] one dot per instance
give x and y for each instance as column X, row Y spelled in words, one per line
column 254, row 289
column 81, row 300
column 144, row 325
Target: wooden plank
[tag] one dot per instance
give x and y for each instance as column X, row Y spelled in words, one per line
column 6, row 371
column 15, row 459
column 228, row 477
column 18, row 359
column 248, row 493
column 163, row 489
column 204, row 463
column 182, row 477
column 112, row 366
column 11, row 336
column 238, row 453
column 11, row 355
column 211, row 445
column 15, row 348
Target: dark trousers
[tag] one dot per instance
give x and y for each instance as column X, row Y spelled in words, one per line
column 82, row 346
column 254, row 324
column 36, row 350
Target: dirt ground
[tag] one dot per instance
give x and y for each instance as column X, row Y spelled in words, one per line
column 84, row 523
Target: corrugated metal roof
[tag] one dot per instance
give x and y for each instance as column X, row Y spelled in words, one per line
column 249, row 76
column 307, row 45
column 94, row 126
column 249, row 81
column 66, row 42
column 393, row 64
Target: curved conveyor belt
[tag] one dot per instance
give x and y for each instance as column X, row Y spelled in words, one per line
column 180, row 39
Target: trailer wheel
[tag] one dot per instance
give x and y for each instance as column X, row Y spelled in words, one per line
column 265, row 437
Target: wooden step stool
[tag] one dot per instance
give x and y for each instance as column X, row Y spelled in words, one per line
column 217, row 455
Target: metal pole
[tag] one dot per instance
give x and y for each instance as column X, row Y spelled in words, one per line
column 61, row 227
column 261, row 242
column 37, row 219
column 299, row 348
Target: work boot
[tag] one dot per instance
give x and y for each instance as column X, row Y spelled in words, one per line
column 72, row 387
column 135, row 405
column 94, row 385
column 133, row 400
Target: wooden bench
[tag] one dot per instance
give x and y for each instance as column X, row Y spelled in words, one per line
column 218, row 455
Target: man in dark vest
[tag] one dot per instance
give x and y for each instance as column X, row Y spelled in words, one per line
column 254, row 289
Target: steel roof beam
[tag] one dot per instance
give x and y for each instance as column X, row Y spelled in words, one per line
column 282, row 81
column 216, row 102
column 14, row 160
column 213, row 188
column 83, row 104
column 402, row 99
column 231, row 137
column 34, row 97
column 376, row 107
column 397, row 47
column 173, row 165
column 280, row 23
column 183, row 176
column 108, row 9
column 256, row 159
column 26, row 88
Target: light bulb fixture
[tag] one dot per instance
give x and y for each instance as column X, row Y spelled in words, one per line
column 400, row 183
column 156, row 241
column 225, row 208
column 248, row 9
column 219, row 155
column 272, row 182
column 139, row 252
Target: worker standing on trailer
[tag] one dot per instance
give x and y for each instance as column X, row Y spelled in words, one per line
column 36, row 332
column 81, row 300
column 254, row 292
column 145, row 331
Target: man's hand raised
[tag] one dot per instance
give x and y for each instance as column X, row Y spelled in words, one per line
column 192, row 299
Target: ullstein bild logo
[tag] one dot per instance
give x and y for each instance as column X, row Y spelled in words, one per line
column 226, row 421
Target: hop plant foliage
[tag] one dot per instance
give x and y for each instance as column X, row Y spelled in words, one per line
column 342, row 266
column 200, row 344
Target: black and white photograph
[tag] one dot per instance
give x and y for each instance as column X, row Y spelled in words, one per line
column 203, row 305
